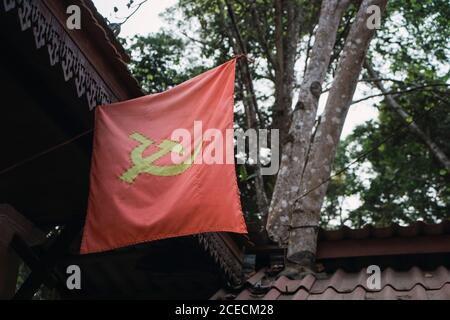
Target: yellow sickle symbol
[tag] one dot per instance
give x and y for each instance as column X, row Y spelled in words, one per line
column 145, row 165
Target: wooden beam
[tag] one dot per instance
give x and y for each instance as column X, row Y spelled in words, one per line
column 348, row 248
column 13, row 223
column 383, row 247
column 42, row 268
column 9, row 267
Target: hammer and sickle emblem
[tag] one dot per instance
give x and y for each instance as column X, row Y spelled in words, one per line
column 142, row 164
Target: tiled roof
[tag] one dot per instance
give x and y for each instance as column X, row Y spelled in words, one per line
column 415, row 262
column 417, row 238
column 395, row 285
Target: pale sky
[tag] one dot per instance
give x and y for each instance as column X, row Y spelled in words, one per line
column 147, row 20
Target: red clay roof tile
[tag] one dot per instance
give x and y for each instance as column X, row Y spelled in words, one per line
column 412, row 284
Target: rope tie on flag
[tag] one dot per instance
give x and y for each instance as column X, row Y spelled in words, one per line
column 244, row 56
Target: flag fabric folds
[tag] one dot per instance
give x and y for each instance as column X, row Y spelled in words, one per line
column 148, row 178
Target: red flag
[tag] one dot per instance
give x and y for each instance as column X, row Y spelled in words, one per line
column 143, row 185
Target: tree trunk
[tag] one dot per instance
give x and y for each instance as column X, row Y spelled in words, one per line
column 286, row 52
column 296, row 145
column 305, row 217
column 412, row 126
column 250, row 104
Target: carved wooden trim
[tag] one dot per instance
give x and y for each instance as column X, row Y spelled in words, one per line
column 215, row 245
column 49, row 33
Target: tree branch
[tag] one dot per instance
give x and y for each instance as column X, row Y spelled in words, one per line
column 394, row 93
column 262, row 39
column 413, row 126
column 253, row 117
column 203, row 43
column 137, row 7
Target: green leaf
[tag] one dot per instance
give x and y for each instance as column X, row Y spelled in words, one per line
column 243, row 173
